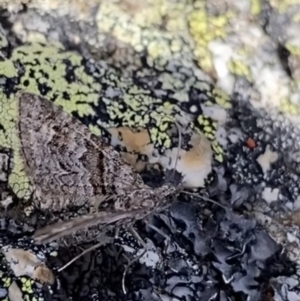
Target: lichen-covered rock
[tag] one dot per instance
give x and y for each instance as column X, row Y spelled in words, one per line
column 130, row 71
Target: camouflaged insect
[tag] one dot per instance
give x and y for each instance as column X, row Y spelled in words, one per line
column 79, row 180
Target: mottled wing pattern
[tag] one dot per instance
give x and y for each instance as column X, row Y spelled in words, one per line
column 70, row 167
column 66, row 163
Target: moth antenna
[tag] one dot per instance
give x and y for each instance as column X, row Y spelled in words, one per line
column 137, row 236
column 178, row 147
column 206, row 199
column 176, row 162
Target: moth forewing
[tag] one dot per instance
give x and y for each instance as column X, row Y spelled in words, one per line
column 66, row 163
column 69, row 167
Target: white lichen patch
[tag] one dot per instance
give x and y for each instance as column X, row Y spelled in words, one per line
column 25, row 263
column 270, row 195
column 267, row 158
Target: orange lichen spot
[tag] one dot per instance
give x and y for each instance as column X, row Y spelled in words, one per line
column 250, row 143
column 137, row 142
column 25, row 263
column 194, row 165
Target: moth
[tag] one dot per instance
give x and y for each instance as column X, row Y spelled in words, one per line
column 73, row 170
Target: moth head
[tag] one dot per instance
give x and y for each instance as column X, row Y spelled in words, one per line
column 150, row 199
column 143, row 198
column 166, row 194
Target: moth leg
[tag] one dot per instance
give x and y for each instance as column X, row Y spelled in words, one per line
column 158, row 231
column 130, row 262
column 168, row 239
column 145, row 247
column 104, row 240
column 137, row 237
column 117, row 232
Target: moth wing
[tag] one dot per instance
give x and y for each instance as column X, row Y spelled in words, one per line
column 67, row 164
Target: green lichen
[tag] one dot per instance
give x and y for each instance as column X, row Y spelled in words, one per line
column 293, row 49
column 283, row 5
column 156, row 26
column 9, row 139
column 286, row 106
column 255, row 7
column 47, row 65
column 204, row 29
column 239, row 68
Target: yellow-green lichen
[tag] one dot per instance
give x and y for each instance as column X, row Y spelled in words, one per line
column 204, row 29
column 95, row 130
column 221, row 98
column 7, row 68
column 239, row 68
column 157, row 27
column 293, row 49
column 9, row 139
column 296, row 18
column 286, row 106
column 255, row 7
column 283, row 5
column 6, row 281
column 51, row 62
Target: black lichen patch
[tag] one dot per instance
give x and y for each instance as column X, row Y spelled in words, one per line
column 211, row 254
column 273, row 134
